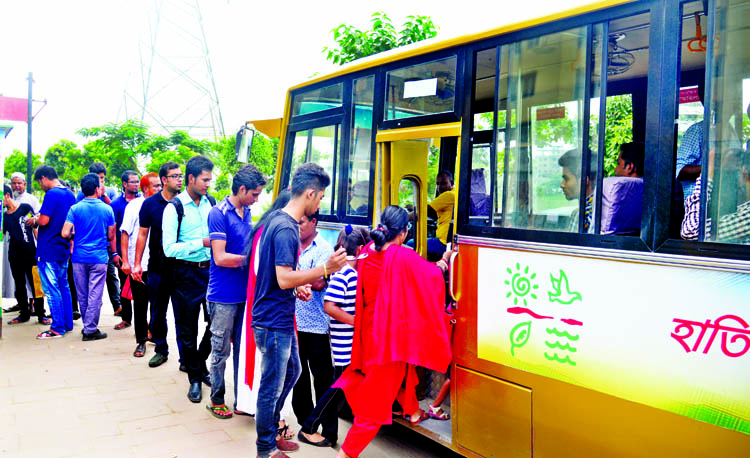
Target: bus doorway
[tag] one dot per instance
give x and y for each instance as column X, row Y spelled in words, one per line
column 418, row 167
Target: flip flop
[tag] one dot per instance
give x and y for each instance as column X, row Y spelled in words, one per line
column 438, row 413
column 242, row 413
column 18, row 321
column 221, row 412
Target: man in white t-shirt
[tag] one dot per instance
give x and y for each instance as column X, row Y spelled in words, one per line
column 150, row 185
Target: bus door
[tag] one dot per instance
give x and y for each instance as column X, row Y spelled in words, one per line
column 410, row 160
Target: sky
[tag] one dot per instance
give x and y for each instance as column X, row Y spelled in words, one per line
column 84, row 53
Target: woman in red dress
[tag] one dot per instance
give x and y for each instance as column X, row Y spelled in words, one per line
column 398, row 325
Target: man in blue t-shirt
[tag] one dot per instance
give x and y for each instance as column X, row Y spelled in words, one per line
column 273, row 308
column 107, row 195
column 53, row 251
column 229, row 227
column 92, row 222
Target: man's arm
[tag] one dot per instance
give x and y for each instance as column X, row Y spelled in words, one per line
column 289, row 278
column 224, row 259
column 67, row 230
column 140, row 246
column 125, row 267
column 39, row 220
column 689, row 173
column 173, row 248
column 111, row 237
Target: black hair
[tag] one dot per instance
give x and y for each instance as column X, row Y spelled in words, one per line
column 165, row 168
column 393, row 221
column 7, row 190
column 634, row 153
column 126, row 175
column 248, row 176
column 45, row 171
column 89, row 183
column 309, row 175
column 283, row 198
column 358, row 237
column 315, row 216
column 196, row 165
column 571, row 159
column 97, row 168
column 446, row 173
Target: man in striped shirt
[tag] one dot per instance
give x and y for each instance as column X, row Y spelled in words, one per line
column 338, row 303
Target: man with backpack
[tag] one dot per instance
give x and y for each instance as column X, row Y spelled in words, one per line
column 185, row 238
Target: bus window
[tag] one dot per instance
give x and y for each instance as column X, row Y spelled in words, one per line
column 545, row 89
column 408, row 193
column 317, row 100
column 421, row 89
column 320, row 145
column 725, row 179
column 361, row 148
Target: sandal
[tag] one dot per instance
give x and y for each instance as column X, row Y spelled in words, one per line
column 122, row 325
column 284, row 432
column 221, row 412
column 45, row 320
column 242, row 413
column 414, row 422
column 140, row 350
column 438, row 414
column 18, row 320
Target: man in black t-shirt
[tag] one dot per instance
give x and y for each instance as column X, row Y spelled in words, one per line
column 160, row 281
column 22, row 256
column 273, row 307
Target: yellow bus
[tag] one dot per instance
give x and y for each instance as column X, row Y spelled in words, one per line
column 622, row 332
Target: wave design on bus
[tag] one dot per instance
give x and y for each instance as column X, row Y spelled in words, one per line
column 559, row 333
column 563, row 346
column 556, row 358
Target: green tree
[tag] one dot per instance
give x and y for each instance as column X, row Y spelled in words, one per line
column 70, row 162
column 16, row 162
column 353, row 44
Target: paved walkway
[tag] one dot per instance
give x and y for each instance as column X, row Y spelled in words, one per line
column 65, row 397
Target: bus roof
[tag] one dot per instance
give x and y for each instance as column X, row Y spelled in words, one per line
column 434, row 44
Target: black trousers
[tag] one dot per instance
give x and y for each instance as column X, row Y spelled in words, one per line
column 191, row 285
column 140, row 308
column 113, row 285
column 127, row 307
column 72, row 285
column 315, row 358
column 160, row 290
column 21, row 268
column 326, row 411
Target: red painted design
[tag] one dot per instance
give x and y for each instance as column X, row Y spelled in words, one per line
column 571, row 322
column 520, row 310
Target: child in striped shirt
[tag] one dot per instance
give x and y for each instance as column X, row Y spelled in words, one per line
column 339, row 303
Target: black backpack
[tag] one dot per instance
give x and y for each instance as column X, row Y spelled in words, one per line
column 181, row 211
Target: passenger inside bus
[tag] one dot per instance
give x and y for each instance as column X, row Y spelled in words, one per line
column 622, row 194
column 441, row 209
column 690, row 153
column 571, row 187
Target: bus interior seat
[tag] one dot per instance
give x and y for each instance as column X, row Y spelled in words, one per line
column 622, row 205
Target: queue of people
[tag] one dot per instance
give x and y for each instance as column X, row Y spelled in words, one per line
column 292, row 310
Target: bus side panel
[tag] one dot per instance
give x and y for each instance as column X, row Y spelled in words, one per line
column 571, row 420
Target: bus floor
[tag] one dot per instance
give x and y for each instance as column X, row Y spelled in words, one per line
column 65, row 397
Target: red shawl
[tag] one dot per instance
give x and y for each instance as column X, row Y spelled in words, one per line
column 408, row 321
column 249, row 339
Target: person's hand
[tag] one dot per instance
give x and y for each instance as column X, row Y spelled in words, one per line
column 125, row 267
column 304, row 293
column 336, row 261
column 137, row 273
column 31, row 222
column 117, row 260
column 711, row 163
column 206, row 242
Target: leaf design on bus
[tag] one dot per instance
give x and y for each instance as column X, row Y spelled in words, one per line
column 519, row 335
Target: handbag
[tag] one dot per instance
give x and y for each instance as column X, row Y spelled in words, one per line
column 38, row 291
column 127, row 293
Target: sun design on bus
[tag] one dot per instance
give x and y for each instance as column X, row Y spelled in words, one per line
column 521, row 284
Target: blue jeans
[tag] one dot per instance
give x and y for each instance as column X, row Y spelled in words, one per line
column 280, row 369
column 54, row 277
column 226, row 334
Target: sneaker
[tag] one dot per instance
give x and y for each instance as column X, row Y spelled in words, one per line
column 49, row 334
column 157, row 360
column 98, row 335
column 15, row 308
column 286, row 446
